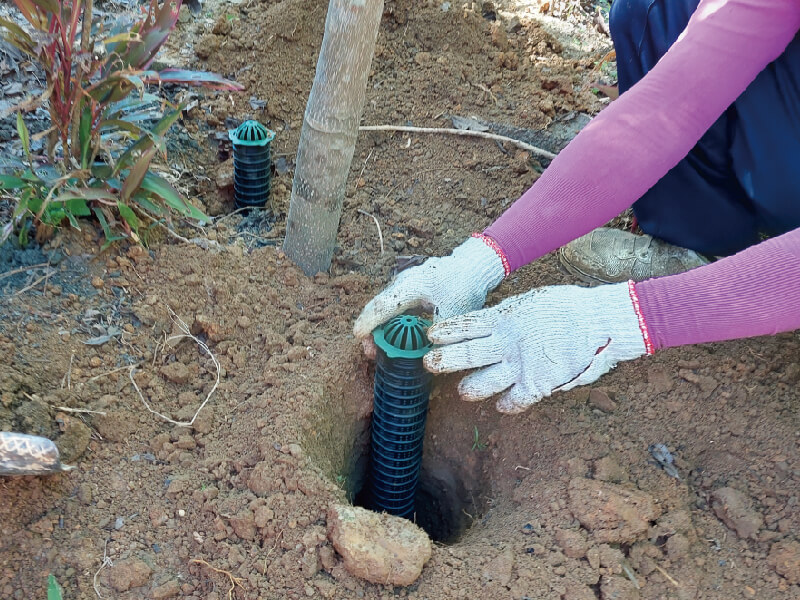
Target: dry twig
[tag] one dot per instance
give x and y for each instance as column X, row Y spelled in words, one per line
column 467, row 132
column 33, row 285
column 271, row 550
column 80, row 410
column 96, row 377
column 106, row 563
column 23, row 269
column 378, row 225
column 67, row 379
column 234, row 580
column 667, row 575
column 186, row 334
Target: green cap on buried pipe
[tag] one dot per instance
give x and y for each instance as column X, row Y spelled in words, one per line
column 251, row 133
column 403, row 337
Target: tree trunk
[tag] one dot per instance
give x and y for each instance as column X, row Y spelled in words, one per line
column 330, row 128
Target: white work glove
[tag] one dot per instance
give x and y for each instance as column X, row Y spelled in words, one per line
column 552, row 338
column 447, row 286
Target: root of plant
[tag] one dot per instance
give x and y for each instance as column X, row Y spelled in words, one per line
column 467, row 132
column 234, row 581
column 186, row 334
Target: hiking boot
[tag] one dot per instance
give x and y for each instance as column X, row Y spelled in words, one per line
column 608, row 255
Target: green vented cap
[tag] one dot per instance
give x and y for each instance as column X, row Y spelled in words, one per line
column 403, row 337
column 251, row 133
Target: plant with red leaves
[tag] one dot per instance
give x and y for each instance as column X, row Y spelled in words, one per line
column 98, row 99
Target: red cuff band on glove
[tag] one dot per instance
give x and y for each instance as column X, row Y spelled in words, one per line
column 496, row 247
column 648, row 343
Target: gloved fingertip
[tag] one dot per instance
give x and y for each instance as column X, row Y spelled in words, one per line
column 433, row 361
column 361, row 329
column 447, row 332
column 518, row 399
column 369, row 348
column 469, row 396
column 510, row 408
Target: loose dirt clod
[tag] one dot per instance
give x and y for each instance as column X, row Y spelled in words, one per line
column 614, row 514
column 378, row 547
column 733, row 508
column 784, row 557
column 129, row 573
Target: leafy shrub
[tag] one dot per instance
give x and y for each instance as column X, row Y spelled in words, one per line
column 99, row 151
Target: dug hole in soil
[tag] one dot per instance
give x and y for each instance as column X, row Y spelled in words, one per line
column 566, row 501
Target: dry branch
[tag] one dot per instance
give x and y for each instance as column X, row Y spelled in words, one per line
column 466, row 132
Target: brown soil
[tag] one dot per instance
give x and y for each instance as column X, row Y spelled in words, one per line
column 562, row 502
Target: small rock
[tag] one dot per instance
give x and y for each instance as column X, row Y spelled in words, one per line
column 500, row 568
column 733, row 508
column 244, row 524
column 204, row 422
column 660, row 380
column 577, row 467
column 168, row 590
column 296, row 353
column 85, row 494
column 73, row 442
column 263, row 515
column 784, row 557
column 115, row 426
column 617, row 588
column 792, row 373
column 262, row 479
column 210, row 327
column 571, row 542
column 296, row 451
column 176, row 372
column 188, row 398
column 677, row 521
column 422, row 58
column 379, row 548
column 677, row 547
column 244, row 322
column 608, row 469
column 328, row 558
column 176, row 488
column 97, row 282
column 704, row 382
column 128, row 573
column 614, row 514
column 611, row 558
column 499, row 37
column 206, row 46
column 593, row 557
column 186, row 442
column 222, row 26
column 513, row 25
column 601, row 400
column 577, row 591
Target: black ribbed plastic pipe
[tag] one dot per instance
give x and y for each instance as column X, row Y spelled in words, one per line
column 252, row 164
column 401, row 395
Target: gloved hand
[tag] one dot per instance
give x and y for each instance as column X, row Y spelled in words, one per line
column 552, row 338
column 447, row 286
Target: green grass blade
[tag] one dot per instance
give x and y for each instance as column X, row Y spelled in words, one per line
column 53, row 589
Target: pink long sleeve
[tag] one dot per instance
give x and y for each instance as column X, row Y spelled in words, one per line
column 755, row 292
column 634, row 142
